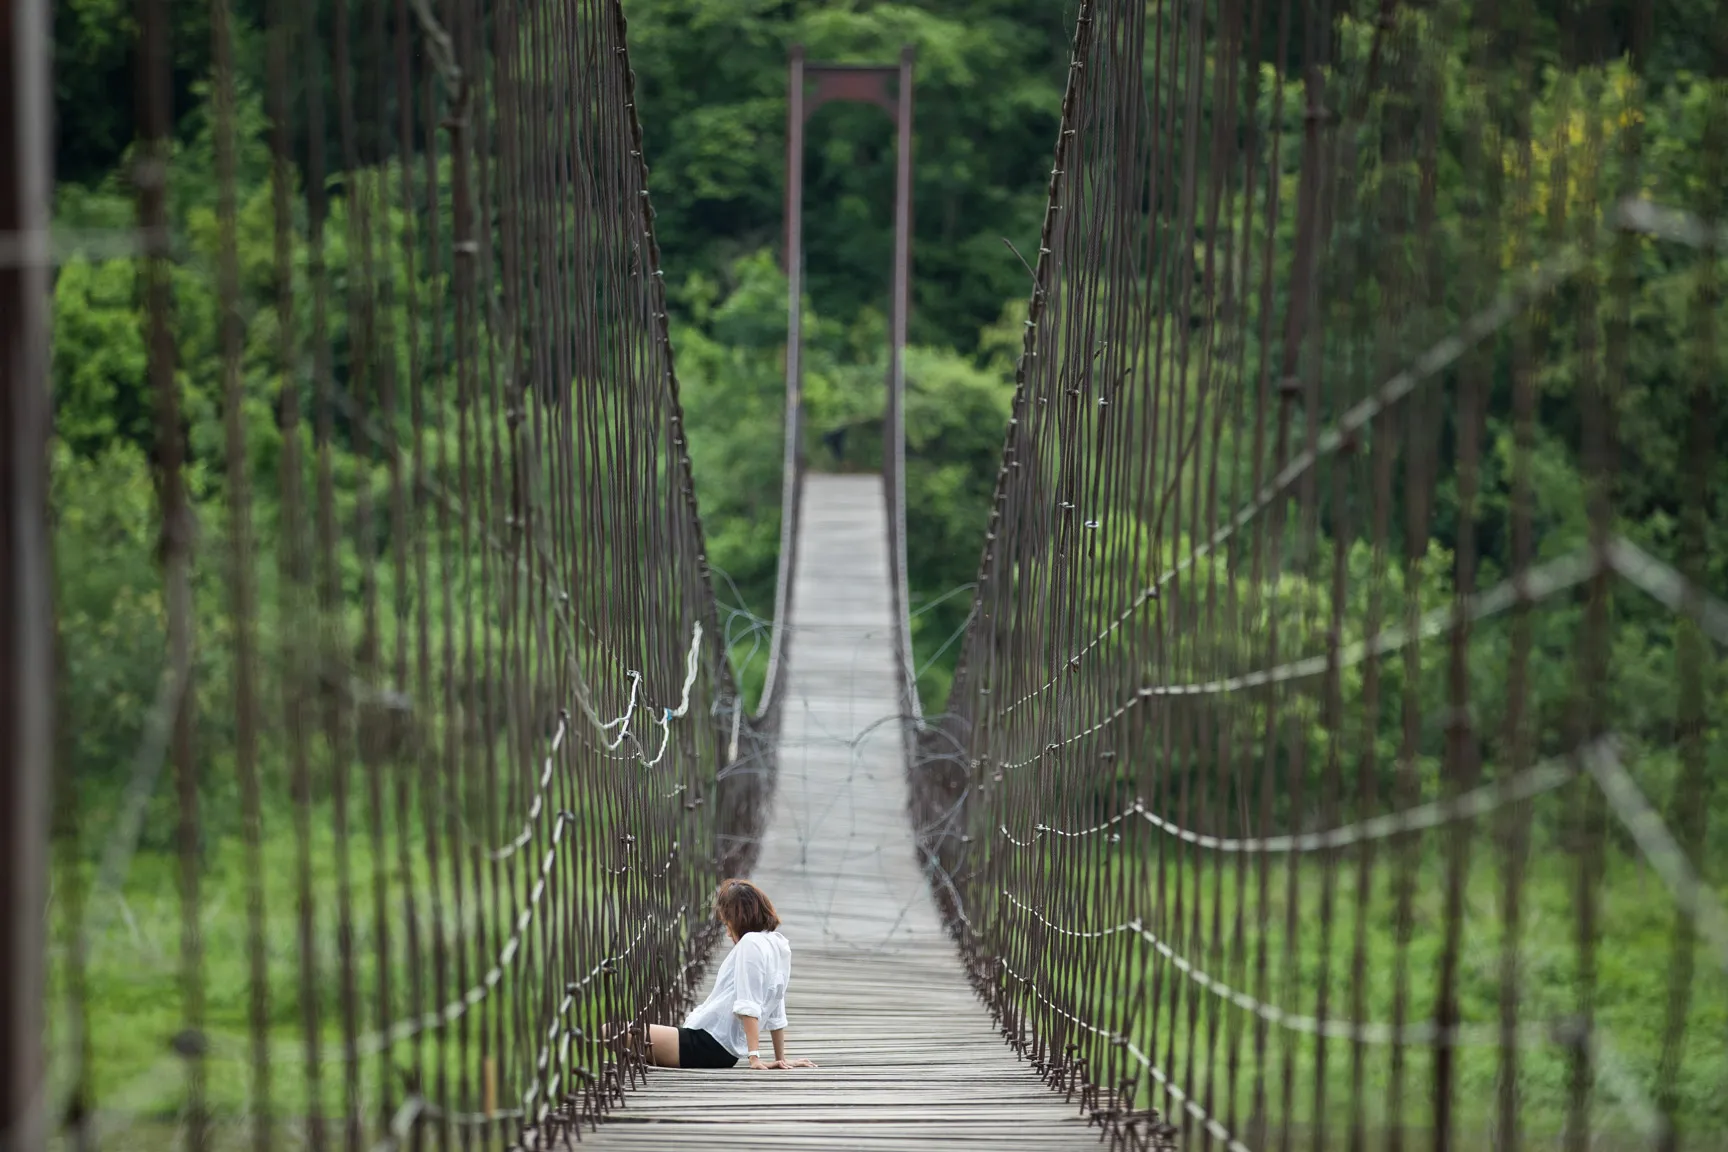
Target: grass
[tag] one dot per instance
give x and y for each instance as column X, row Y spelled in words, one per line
column 132, row 985
column 1314, row 1084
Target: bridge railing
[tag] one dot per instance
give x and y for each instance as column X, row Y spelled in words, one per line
column 1331, row 755
column 397, row 751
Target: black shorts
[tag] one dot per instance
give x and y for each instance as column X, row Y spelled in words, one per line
column 698, row 1049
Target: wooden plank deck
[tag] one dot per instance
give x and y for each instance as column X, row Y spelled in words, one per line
column 909, row 1058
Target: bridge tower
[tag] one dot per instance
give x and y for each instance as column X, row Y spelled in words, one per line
column 889, row 87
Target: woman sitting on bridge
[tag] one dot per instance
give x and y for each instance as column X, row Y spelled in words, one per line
column 749, row 992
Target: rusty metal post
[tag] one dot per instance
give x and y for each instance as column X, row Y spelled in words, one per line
column 794, row 253
column 792, row 464
column 26, row 661
column 862, row 84
column 900, row 307
column 901, row 304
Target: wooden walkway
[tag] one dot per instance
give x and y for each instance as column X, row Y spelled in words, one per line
column 909, row 1058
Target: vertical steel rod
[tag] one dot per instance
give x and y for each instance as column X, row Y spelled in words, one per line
column 901, row 306
column 26, row 672
column 792, row 462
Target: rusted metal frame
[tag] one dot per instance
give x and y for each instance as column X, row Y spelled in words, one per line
column 1220, row 288
column 1159, row 986
column 1145, row 627
column 1235, row 767
column 1326, row 88
column 1108, row 367
column 155, row 125
column 389, row 764
column 1463, row 761
column 439, row 770
column 1195, row 808
column 981, row 653
column 523, row 657
column 1046, row 998
column 27, row 660
column 242, row 606
column 1420, row 421
column 1695, row 660
column 900, row 307
column 339, row 722
column 1178, row 56
column 546, row 314
column 1064, row 419
column 514, row 472
column 1114, row 512
column 604, row 450
column 1379, row 334
column 577, row 360
column 579, row 340
column 489, row 336
column 464, row 123
column 1116, row 501
column 632, row 470
column 674, row 983
column 1514, row 826
column 613, row 450
column 1108, row 515
column 860, row 83
column 650, row 414
column 792, row 447
column 413, row 654
column 1268, row 455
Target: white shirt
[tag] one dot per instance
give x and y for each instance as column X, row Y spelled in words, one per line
column 752, row 982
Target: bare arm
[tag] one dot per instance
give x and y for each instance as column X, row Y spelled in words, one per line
column 753, row 1038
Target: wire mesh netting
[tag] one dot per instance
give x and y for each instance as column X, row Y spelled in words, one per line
column 1332, row 755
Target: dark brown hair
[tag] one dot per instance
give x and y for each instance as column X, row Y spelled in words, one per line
column 745, row 908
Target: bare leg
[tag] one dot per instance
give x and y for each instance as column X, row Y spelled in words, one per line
column 663, row 1045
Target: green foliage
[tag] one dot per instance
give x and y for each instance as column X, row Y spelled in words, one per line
column 711, row 84
column 1309, row 963
column 712, row 79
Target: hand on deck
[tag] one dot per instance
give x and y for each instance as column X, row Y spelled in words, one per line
column 758, row 1063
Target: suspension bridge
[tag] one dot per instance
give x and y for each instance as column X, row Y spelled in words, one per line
column 1331, row 753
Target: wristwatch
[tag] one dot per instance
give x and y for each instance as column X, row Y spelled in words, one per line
column 754, row 1054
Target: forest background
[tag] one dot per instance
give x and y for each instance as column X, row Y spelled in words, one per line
column 712, row 81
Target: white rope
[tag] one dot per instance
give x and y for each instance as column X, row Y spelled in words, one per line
column 1636, row 214
column 1531, row 782
column 455, row 1009
column 1665, row 584
column 1217, row 1130
column 1533, row 584
column 1418, row 1033
column 1536, row 283
column 1691, row 894
column 668, row 715
column 689, row 675
column 623, row 721
column 539, row 804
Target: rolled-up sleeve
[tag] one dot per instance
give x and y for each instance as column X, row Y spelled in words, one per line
column 776, row 1019
column 752, row 979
